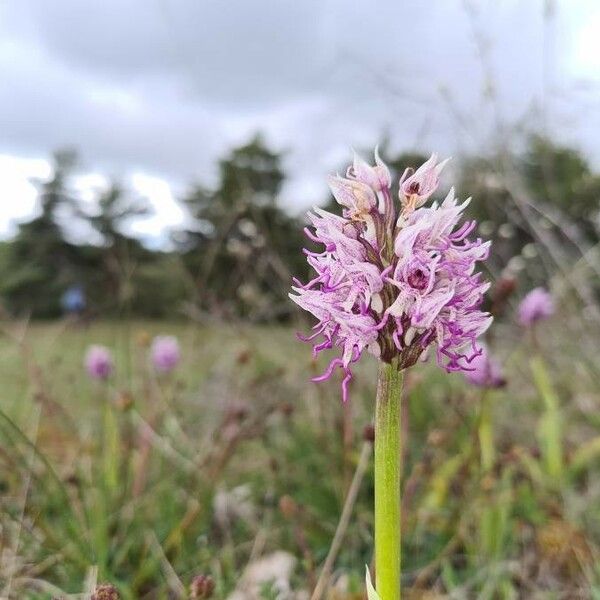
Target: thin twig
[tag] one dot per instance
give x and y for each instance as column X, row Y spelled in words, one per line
column 171, row 576
column 162, row 445
column 361, row 467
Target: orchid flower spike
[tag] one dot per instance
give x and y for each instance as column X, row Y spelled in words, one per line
column 391, row 286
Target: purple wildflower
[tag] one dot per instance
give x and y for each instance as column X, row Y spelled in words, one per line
column 99, row 362
column 486, row 371
column 165, row 353
column 536, row 306
column 393, row 282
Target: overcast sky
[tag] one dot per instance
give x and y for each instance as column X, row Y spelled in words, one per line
column 153, row 91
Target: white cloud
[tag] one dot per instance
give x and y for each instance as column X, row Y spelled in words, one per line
column 586, row 56
column 18, row 192
column 166, row 214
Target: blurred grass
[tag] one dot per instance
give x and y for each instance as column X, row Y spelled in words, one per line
column 146, row 482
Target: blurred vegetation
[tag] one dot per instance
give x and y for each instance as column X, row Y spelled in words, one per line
column 147, row 481
column 236, row 256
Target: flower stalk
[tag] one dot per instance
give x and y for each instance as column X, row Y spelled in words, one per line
column 392, row 279
column 550, row 429
column 388, row 455
column 486, row 434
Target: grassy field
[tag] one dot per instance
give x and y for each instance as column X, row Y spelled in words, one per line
column 237, row 467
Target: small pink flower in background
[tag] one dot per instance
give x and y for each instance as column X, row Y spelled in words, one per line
column 165, row 353
column 417, row 187
column 485, row 371
column 99, row 362
column 536, row 306
column 393, row 278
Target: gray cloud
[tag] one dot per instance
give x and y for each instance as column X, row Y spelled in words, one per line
column 165, row 86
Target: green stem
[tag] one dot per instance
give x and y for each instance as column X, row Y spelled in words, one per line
column 486, row 434
column 388, row 456
column 550, row 428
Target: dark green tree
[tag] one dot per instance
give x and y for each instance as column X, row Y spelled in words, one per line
column 243, row 248
column 40, row 263
column 119, row 254
column 546, row 194
column 130, row 278
column 562, row 177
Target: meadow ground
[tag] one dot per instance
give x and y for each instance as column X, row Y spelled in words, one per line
column 237, row 467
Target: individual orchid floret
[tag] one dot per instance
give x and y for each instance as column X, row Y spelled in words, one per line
column 416, row 187
column 357, row 197
column 99, row 362
column 165, row 353
column 376, row 177
column 485, row 371
column 364, row 191
column 394, row 280
column 536, row 306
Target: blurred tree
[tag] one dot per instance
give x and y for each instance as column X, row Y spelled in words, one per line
column 540, row 207
column 129, row 279
column 40, row 263
column 562, row 177
column 118, row 275
column 114, row 211
column 494, row 209
column 119, row 254
column 243, row 248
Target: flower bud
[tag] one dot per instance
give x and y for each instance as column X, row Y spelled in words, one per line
column 165, row 353
column 369, row 433
column 105, row 591
column 99, row 362
column 288, row 507
column 202, row 587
